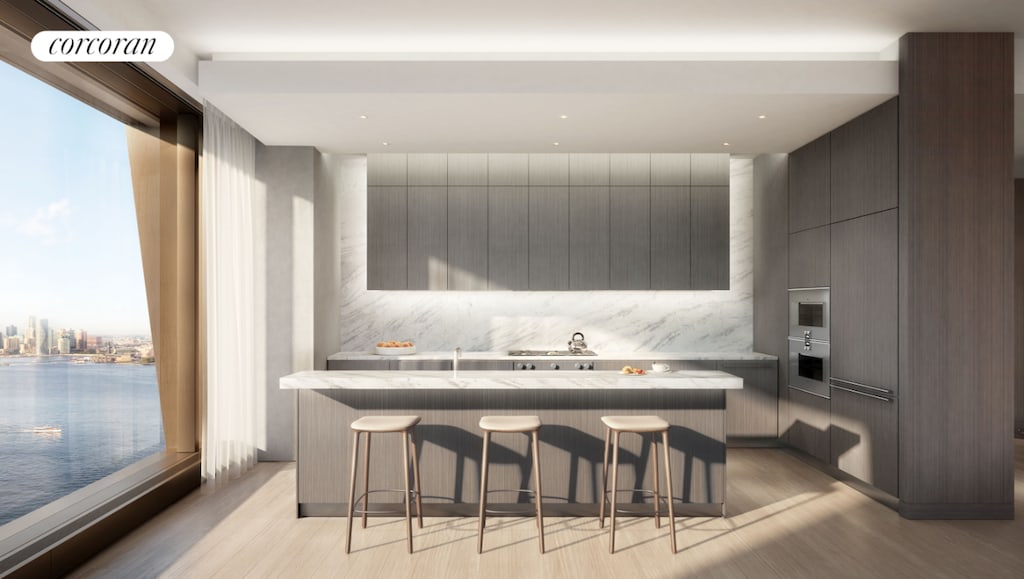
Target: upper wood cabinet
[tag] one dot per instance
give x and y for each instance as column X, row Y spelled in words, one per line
column 548, row 221
column 865, row 300
column 809, row 185
column 864, row 169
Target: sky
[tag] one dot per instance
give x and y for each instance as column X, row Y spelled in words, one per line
column 69, row 243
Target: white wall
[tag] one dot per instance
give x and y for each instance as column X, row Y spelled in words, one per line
column 285, row 179
column 613, row 321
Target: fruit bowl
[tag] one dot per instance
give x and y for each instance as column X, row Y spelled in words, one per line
column 395, row 348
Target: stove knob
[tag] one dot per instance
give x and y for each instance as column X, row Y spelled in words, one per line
column 590, row 366
column 579, row 366
column 522, row 366
column 531, row 367
column 554, row 366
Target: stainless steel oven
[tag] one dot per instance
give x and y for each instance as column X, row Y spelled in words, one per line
column 809, row 314
column 809, row 366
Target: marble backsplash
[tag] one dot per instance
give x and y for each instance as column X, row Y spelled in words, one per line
column 620, row 321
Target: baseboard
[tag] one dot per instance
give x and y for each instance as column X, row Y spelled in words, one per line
column 956, row 511
column 61, row 536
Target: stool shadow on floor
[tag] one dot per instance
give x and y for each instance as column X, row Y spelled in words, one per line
column 467, row 447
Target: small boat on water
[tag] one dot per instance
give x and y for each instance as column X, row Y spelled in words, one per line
column 46, row 429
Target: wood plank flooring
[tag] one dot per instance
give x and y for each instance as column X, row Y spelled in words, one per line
column 785, row 520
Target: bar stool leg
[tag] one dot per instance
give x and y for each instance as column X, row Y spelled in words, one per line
column 604, row 475
column 657, row 498
column 615, row 486
column 668, row 483
column 539, row 496
column 405, row 477
column 483, row 495
column 416, row 477
column 366, row 478
column 352, row 491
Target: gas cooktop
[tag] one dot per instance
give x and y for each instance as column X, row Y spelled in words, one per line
column 541, row 353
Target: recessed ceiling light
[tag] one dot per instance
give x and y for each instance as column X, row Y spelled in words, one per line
column 556, row 143
column 725, row 144
column 362, row 116
column 385, row 143
column 762, row 116
column 563, row 116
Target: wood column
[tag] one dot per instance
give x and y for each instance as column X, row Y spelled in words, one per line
column 164, row 164
column 956, row 275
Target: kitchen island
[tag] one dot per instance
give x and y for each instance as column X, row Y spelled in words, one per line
column 572, row 438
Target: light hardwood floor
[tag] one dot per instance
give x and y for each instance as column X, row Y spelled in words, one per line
column 785, row 520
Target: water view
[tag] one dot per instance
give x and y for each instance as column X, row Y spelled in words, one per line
column 66, row 424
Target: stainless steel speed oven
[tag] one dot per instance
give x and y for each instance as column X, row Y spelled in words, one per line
column 809, row 314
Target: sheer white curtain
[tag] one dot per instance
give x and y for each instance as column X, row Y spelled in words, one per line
column 229, row 252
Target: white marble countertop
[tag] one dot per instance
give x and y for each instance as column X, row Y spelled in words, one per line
column 508, row 380
column 640, row 356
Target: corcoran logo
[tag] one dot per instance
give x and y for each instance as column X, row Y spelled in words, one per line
column 105, row 46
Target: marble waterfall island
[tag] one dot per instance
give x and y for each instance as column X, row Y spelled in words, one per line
column 449, row 442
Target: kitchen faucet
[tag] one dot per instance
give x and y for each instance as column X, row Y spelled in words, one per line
column 455, row 361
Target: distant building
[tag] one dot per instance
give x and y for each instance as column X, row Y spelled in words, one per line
column 81, row 341
column 12, row 331
column 64, row 344
column 30, row 331
column 12, row 345
column 42, row 334
column 94, row 343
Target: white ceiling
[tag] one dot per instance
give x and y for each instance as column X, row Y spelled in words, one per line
column 447, row 75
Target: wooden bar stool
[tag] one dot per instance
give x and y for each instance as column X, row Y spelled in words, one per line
column 510, row 424
column 640, row 425
column 384, row 424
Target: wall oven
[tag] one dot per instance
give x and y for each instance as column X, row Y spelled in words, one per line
column 809, row 346
column 809, row 366
column 809, row 313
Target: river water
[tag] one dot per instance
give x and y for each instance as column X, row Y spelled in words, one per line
column 64, row 426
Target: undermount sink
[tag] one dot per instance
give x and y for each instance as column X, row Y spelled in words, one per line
column 539, row 353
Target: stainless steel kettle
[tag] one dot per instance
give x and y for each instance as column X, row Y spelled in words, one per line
column 577, row 346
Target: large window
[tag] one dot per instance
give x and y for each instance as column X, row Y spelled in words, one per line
column 78, row 388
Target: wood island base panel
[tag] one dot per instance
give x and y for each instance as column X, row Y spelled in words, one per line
column 449, row 441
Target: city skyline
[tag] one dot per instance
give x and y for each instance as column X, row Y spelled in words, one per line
column 67, row 213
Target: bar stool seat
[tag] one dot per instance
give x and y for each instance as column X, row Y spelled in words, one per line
column 385, row 423
column 510, row 424
column 368, row 425
column 652, row 425
column 635, row 423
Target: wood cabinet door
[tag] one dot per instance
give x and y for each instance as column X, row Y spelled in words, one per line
column 864, row 169
column 752, row 412
column 809, row 258
column 807, row 424
column 588, row 238
column 630, row 238
column 508, row 238
column 809, row 185
column 865, row 300
column 428, row 239
column 863, row 438
column 670, row 238
column 709, row 238
column 467, row 238
column 549, row 238
column 386, row 239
